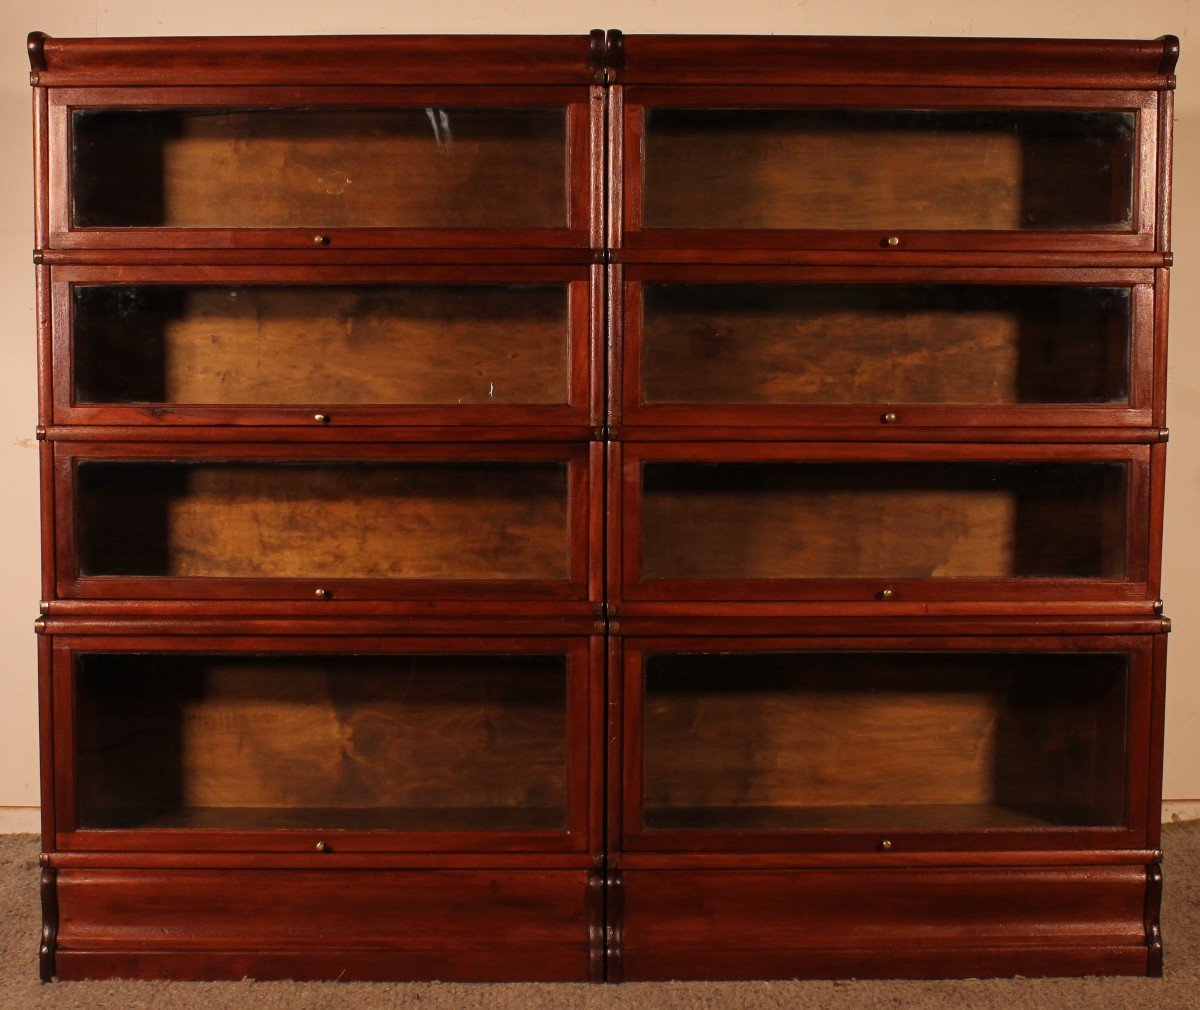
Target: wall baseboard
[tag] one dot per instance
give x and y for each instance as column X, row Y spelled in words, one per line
column 20, row 820
column 27, row 820
column 1175, row 811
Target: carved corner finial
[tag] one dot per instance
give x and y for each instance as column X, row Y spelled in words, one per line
column 596, row 48
column 1170, row 57
column 36, row 48
column 614, row 54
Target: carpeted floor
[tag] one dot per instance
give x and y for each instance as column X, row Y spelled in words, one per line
column 19, row 988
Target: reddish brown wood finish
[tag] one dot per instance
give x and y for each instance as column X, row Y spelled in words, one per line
column 578, row 514
column 663, row 242
column 636, row 837
column 301, row 59
column 605, row 897
column 578, row 105
column 583, row 741
column 581, row 342
column 924, row 923
column 833, row 419
column 174, row 924
column 628, row 583
column 1021, row 63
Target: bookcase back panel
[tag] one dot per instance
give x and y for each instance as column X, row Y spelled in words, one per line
column 331, row 520
column 346, row 167
column 415, row 742
column 918, row 520
column 764, row 343
column 935, row 169
column 301, row 344
column 883, row 741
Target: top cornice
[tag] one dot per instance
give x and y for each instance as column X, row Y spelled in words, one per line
column 604, row 57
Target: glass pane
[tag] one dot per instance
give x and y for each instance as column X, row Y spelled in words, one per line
column 274, row 168
column 888, row 169
column 865, row 520
column 324, row 520
column 397, row 344
column 920, row 741
column 885, row 343
column 266, row 741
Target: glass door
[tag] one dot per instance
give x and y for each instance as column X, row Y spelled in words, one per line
column 794, row 521
column 499, row 345
column 331, row 521
column 332, row 744
column 323, row 167
column 894, row 743
column 918, row 168
column 888, row 348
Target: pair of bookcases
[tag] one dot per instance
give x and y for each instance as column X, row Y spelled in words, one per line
column 601, row 508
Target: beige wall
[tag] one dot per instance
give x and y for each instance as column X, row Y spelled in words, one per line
column 1037, row 18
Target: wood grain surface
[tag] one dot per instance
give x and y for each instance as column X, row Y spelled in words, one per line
column 397, row 167
column 847, row 520
column 362, row 520
column 753, row 168
column 379, row 344
column 333, row 741
column 871, row 343
column 883, row 740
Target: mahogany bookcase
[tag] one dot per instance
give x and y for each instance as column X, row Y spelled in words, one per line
column 601, row 508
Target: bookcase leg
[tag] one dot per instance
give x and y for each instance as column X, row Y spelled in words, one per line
column 47, row 948
column 1154, row 941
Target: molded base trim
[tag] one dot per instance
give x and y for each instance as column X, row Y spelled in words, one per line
column 477, row 965
column 386, row 925
column 731, row 965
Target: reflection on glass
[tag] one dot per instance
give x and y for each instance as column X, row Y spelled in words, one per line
column 878, row 740
column 275, row 168
column 885, row 343
column 885, row 519
column 889, row 169
column 479, row 520
column 441, row 742
column 384, row 344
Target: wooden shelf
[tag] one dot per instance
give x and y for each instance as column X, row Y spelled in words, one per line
column 333, row 819
column 950, row 817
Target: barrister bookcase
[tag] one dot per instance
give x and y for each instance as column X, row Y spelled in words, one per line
column 601, row 508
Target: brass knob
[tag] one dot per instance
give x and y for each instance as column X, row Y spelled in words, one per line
column 322, row 847
column 889, row 418
column 885, row 845
column 321, row 418
column 892, row 240
column 887, row 594
column 320, row 594
column 324, row 240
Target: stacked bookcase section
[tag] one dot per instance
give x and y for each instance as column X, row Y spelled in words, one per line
column 885, row 506
column 323, row 651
